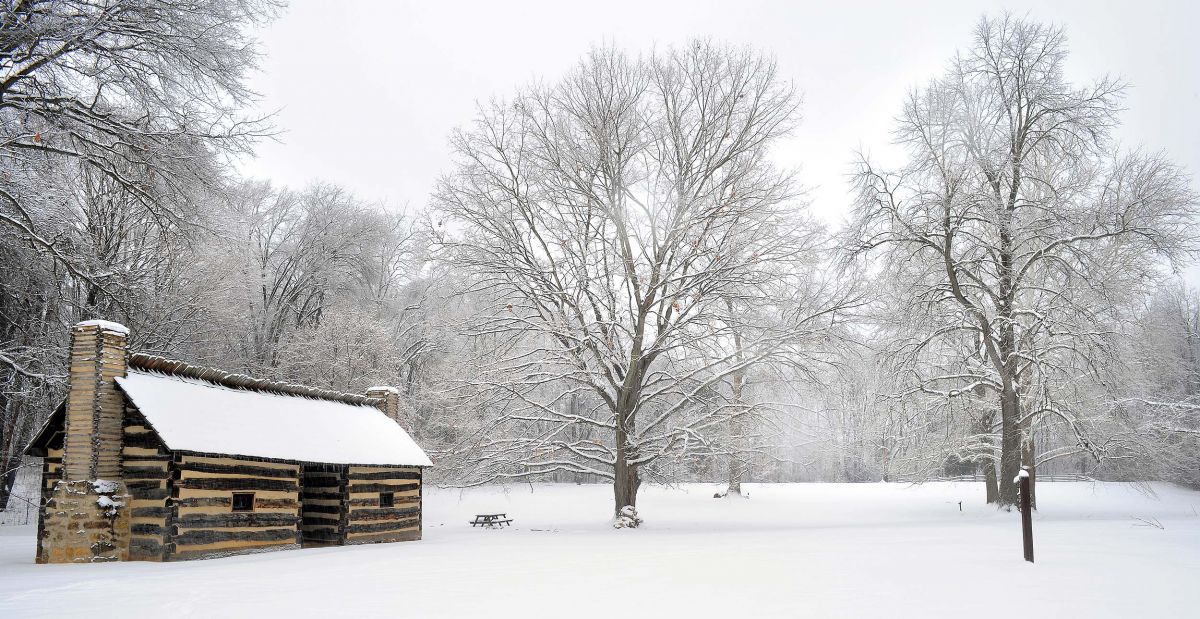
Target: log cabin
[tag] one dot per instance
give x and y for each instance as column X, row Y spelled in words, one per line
column 150, row 459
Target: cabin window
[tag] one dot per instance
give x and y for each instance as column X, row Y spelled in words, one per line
column 386, row 499
column 243, row 501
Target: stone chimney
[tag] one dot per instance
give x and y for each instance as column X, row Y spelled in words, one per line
column 85, row 518
column 388, row 401
column 95, row 410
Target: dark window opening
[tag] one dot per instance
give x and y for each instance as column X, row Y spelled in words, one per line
column 243, row 501
column 386, row 499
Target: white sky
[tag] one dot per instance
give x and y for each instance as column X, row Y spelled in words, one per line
column 368, row 91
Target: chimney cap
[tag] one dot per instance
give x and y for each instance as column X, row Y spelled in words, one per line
column 106, row 325
column 384, row 388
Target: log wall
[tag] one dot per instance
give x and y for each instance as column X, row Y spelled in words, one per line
column 51, row 475
column 202, row 522
column 146, row 471
column 323, row 504
column 366, row 521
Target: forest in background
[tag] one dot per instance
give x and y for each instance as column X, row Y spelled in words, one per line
column 613, row 282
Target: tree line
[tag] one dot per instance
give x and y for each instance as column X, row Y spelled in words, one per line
column 613, row 281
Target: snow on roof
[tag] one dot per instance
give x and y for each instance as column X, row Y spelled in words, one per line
column 106, row 325
column 195, row 415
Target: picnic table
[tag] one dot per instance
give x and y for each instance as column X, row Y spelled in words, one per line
column 491, row 520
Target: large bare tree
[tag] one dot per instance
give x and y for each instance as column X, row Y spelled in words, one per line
column 1019, row 227
column 618, row 222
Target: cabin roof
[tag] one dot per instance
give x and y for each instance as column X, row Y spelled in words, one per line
column 194, row 414
column 143, row 361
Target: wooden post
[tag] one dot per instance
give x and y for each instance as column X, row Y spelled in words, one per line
column 1026, row 513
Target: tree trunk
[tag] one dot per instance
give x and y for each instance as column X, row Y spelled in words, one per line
column 1010, row 445
column 10, row 455
column 737, row 466
column 6, row 484
column 625, row 480
column 737, row 429
column 625, row 474
column 885, row 462
column 736, row 470
column 986, row 423
column 989, row 482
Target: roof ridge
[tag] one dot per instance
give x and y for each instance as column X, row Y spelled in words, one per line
column 154, row 363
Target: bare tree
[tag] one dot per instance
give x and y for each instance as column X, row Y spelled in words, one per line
column 612, row 220
column 112, row 114
column 1019, row 227
column 1152, row 391
column 126, row 89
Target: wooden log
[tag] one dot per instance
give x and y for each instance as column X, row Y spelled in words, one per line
column 150, row 512
column 238, row 483
column 353, row 488
column 263, row 503
column 149, row 494
column 385, row 513
column 206, row 536
column 377, row 538
column 146, row 529
column 197, row 457
column 226, row 501
column 145, row 548
column 379, row 527
column 211, row 551
column 188, row 493
column 374, row 501
column 147, row 440
column 408, row 494
column 245, row 470
column 144, row 472
column 225, row 510
column 405, row 475
column 234, row 520
column 207, row 501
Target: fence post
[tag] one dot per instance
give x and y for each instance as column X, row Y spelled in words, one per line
column 1026, row 513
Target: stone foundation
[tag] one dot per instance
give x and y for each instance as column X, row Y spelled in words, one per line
column 85, row 522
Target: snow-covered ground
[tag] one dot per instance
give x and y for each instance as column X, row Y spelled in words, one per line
column 811, row 550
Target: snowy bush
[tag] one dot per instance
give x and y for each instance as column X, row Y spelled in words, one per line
column 628, row 518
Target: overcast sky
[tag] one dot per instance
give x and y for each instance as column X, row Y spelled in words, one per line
column 367, row 92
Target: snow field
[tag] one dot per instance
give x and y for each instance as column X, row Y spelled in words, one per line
column 812, row 550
